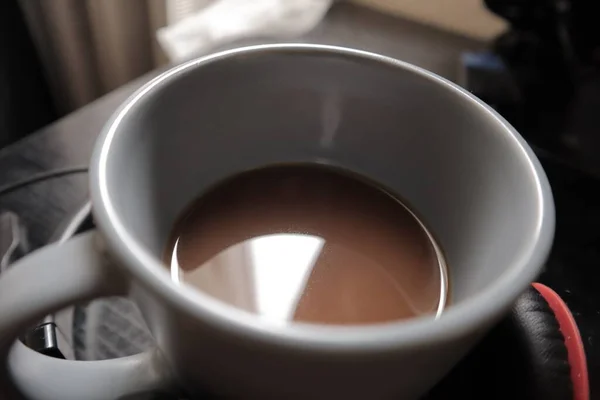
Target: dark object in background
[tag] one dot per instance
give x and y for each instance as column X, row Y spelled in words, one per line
column 485, row 75
column 25, row 102
column 552, row 54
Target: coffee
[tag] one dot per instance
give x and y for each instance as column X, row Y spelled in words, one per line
column 308, row 243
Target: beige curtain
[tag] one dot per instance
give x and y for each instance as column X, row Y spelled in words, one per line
column 466, row 17
column 90, row 47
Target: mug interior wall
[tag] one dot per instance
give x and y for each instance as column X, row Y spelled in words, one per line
column 449, row 158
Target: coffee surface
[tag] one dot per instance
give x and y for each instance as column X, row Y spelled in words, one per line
column 308, row 243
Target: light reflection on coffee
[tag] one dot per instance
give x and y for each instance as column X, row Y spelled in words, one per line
column 311, row 244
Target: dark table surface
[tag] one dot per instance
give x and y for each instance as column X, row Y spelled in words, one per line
column 574, row 266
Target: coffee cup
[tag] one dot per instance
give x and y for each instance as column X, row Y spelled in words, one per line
column 467, row 172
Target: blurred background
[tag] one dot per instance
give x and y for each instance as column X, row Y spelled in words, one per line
column 66, row 53
column 536, row 61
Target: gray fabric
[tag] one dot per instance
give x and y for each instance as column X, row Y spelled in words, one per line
column 109, row 328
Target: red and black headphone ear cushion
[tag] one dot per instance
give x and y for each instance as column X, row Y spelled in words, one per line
column 576, row 358
column 535, row 353
column 537, row 334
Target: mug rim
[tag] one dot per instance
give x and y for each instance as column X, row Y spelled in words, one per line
column 466, row 317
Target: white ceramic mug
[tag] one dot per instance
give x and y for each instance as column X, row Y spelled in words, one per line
column 471, row 177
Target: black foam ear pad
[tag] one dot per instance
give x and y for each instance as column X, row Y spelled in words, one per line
column 538, row 337
column 524, row 357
